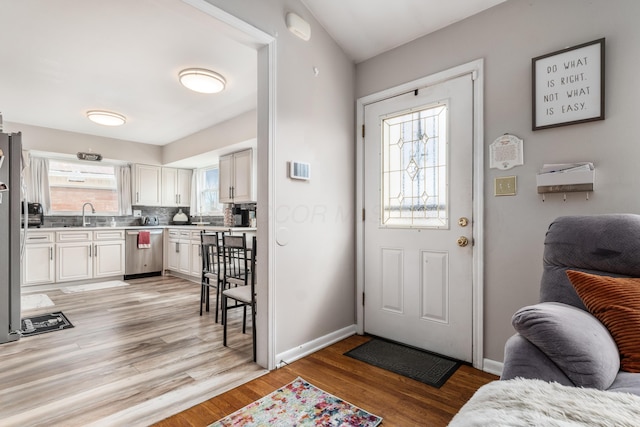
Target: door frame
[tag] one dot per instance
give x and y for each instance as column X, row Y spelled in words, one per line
column 265, row 46
column 476, row 68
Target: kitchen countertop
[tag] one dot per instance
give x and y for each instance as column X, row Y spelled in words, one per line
column 136, row 227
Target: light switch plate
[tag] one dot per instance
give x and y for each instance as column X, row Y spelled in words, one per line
column 505, row 186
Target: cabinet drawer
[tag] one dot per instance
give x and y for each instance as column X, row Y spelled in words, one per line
column 108, row 235
column 40, row 237
column 195, row 235
column 73, row 236
column 174, row 233
column 185, row 234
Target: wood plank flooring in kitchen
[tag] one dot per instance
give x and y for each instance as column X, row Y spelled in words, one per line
column 137, row 354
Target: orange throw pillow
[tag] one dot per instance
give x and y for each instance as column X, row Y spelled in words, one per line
column 615, row 301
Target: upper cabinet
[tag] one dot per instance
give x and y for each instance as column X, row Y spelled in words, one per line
column 147, row 185
column 176, row 187
column 237, row 177
column 158, row 186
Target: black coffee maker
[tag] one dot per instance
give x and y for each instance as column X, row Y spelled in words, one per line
column 240, row 216
column 35, row 214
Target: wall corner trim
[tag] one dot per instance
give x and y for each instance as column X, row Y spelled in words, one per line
column 312, row 346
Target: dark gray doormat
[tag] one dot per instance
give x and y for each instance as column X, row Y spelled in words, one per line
column 419, row 365
column 43, row 323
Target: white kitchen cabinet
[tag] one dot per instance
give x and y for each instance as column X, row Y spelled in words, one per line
column 196, row 259
column 74, row 261
column 183, row 252
column 173, row 252
column 176, row 187
column 147, row 185
column 39, row 266
column 183, row 185
column 179, row 251
column 173, row 249
column 108, row 253
column 86, row 254
column 237, row 177
column 185, row 257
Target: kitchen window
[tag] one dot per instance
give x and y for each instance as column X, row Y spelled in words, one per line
column 207, row 183
column 71, row 184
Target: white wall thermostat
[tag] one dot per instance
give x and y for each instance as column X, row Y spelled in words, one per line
column 300, row 170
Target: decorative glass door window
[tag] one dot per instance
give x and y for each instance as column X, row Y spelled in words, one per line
column 414, row 169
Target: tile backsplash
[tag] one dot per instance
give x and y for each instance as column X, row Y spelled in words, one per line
column 164, row 214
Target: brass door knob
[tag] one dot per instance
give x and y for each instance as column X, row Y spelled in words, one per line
column 463, row 221
column 463, row 241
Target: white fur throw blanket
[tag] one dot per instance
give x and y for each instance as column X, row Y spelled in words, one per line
column 522, row 402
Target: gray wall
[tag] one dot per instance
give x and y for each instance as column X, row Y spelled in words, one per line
column 315, row 276
column 507, row 37
column 60, row 141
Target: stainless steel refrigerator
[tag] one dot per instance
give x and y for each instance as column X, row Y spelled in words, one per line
column 10, row 232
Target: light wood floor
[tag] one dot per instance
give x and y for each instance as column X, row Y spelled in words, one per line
column 399, row 400
column 136, row 355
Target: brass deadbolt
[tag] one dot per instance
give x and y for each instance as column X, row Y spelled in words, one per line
column 463, row 221
column 463, row 241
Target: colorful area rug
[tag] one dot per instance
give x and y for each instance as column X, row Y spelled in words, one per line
column 419, row 365
column 299, row 404
column 43, row 323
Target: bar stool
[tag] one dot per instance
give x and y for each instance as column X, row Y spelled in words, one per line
column 212, row 273
column 240, row 282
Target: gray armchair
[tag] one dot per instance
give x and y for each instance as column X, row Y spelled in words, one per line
column 558, row 339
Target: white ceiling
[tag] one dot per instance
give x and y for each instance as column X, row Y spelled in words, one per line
column 60, row 58
column 366, row 28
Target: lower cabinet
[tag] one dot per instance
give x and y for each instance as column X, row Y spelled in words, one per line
column 83, row 255
column 196, row 258
column 75, row 261
column 108, row 258
column 180, row 250
column 184, row 253
column 38, row 266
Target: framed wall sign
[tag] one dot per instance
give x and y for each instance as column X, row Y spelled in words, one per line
column 568, row 86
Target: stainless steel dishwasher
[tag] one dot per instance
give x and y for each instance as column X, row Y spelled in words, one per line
column 145, row 261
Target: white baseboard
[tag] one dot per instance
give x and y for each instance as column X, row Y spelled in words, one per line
column 314, row 345
column 492, row 367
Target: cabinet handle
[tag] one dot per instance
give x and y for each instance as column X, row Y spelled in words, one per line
column 137, row 196
column 51, row 254
column 90, row 251
column 179, row 199
column 177, row 247
column 95, row 250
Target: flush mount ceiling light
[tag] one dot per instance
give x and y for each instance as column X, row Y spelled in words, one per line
column 106, row 118
column 202, row 80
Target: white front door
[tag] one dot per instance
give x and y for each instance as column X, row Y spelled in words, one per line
column 418, row 187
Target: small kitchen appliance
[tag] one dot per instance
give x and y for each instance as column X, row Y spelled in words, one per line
column 241, row 216
column 149, row 220
column 35, row 215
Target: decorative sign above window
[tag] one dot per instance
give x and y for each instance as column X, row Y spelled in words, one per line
column 568, row 86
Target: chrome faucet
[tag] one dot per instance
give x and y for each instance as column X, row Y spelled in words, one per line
column 84, row 221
